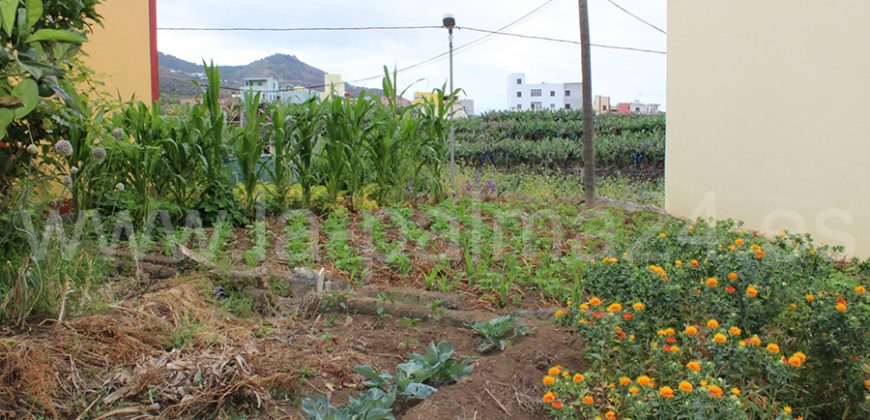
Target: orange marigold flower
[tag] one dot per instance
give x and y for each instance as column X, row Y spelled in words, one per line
column 549, row 397
column 787, row 409
column 693, row 365
column 720, row 338
column 662, row 235
column 735, row 391
column 738, row 242
column 675, row 349
column 759, row 255
column 610, row 415
column 741, row 343
column 584, row 307
column 730, row 289
column 671, row 340
column 712, row 323
column 634, row 390
column 638, row 306
column 678, row 263
column 715, row 391
column 841, row 306
column 751, row 291
column 670, row 331
column 732, row 247
column 555, row 370
column 795, row 362
column 734, row 331
column 732, row 276
column 644, row 380
column 627, row 316
column 704, row 383
column 595, row 301
column 754, row 340
column 691, row 330
column 860, row 290
column 557, row 405
column 773, row 348
column 560, row 313
column 624, row 381
column 549, row 380
column 588, row 400
column 694, row 263
column 685, row 386
column 666, row 392
column 801, row 356
column 809, row 298
column 578, row 378
column 867, row 384
column 614, row 307
column 712, row 282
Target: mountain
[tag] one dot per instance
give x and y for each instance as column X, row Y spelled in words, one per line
column 176, row 75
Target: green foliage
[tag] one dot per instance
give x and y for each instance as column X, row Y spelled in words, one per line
column 373, row 404
column 495, row 332
column 249, row 144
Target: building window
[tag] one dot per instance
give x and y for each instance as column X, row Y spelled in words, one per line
column 552, row 106
column 537, row 105
column 567, row 106
column 519, row 107
column 552, row 93
column 519, row 94
column 536, row 93
column 519, row 81
column 567, row 93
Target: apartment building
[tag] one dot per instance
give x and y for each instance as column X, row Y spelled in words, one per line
column 522, row 96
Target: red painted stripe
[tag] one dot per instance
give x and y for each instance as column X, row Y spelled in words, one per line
column 155, row 66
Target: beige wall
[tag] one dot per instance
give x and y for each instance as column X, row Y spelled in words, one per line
column 120, row 51
column 750, row 133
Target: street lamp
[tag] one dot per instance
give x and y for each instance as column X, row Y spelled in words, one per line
column 449, row 22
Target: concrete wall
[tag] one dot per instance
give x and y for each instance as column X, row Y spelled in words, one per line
column 750, row 135
column 120, row 52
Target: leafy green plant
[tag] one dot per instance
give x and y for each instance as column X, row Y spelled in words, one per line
column 249, row 144
column 373, row 404
column 495, row 332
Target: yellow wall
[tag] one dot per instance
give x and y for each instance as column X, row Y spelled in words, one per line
column 120, row 52
column 749, row 134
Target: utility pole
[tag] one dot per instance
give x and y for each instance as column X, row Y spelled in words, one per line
column 449, row 22
column 588, row 124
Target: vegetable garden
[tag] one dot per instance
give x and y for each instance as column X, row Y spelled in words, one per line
column 155, row 264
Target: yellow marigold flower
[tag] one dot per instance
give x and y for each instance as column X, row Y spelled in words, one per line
column 581, row 322
column 841, row 307
column 720, row 338
column 715, row 391
column 685, row 386
column 644, row 380
column 578, row 378
column 610, row 415
column 738, row 242
column 678, row 263
column 795, row 362
column 549, row 380
column 693, row 365
column 662, row 235
column 614, row 307
column 565, row 374
column 560, row 313
column 754, row 340
column 634, row 390
column 751, row 291
column 584, row 307
column 741, row 343
column 787, row 409
column 735, row 391
column 595, row 301
column 712, row 282
column 809, row 298
column 732, row 276
column 704, row 383
column 555, row 370
column 712, row 323
column 734, row 331
column 860, row 290
column 773, row 348
column 792, row 305
column 867, row 384
column 691, row 330
column 732, row 247
column 666, row 392
column 624, row 381
column 801, row 356
column 691, row 228
column 587, row 400
column 638, row 306
column 670, row 331
column 549, row 397
column 675, row 349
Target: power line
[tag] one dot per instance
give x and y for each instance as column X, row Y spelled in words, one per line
column 300, row 29
column 565, row 41
column 636, row 17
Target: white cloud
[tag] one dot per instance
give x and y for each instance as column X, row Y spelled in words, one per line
column 481, row 71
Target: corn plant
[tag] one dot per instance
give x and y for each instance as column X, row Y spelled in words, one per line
column 308, row 123
column 248, row 144
column 347, row 134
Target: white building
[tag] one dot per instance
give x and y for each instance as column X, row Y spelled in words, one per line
column 468, row 106
column 522, row 96
column 267, row 87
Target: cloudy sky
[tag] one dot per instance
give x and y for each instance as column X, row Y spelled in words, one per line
column 481, row 70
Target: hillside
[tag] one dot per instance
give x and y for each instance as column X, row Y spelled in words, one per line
column 176, row 74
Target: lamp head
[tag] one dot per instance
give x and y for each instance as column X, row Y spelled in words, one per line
column 449, row 21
